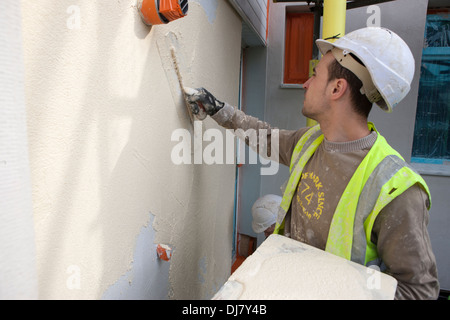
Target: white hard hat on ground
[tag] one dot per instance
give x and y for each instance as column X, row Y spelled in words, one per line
column 386, row 57
column 264, row 212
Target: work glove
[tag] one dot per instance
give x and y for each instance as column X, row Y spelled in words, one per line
column 202, row 102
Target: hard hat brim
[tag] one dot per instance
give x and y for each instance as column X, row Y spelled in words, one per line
column 324, row 46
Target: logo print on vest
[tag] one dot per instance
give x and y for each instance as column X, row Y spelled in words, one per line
column 309, row 195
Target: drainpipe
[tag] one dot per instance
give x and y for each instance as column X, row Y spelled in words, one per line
column 334, row 13
column 18, row 275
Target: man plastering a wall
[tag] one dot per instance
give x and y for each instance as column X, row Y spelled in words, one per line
column 349, row 192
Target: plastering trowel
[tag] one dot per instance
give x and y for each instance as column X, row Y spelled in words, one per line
column 175, row 68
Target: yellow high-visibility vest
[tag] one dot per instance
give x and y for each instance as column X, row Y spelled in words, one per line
column 381, row 176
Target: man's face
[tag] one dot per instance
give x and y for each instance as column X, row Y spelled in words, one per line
column 316, row 101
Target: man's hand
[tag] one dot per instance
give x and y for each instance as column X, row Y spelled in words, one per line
column 202, row 102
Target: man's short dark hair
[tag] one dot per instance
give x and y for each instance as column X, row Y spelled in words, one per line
column 361, row 104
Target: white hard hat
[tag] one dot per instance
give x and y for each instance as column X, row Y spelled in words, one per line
column 387, row 58
column 264, row 212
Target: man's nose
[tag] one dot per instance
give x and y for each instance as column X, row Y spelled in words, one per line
column 306, row 84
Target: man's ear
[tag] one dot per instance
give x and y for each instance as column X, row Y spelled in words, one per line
column 339, row 88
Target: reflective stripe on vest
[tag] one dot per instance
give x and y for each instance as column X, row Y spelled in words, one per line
column 380, row 178
column 304, row 150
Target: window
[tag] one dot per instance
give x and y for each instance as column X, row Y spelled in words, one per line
column 298, row 47
column 432, row 130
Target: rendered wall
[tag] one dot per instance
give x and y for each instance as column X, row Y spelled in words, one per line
column 100, row 118
column 17, row 246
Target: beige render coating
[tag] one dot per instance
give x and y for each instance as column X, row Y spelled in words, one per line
column 100, row 118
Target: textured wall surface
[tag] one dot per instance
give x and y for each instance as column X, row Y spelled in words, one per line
column 17, row 245
column 101, row 112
